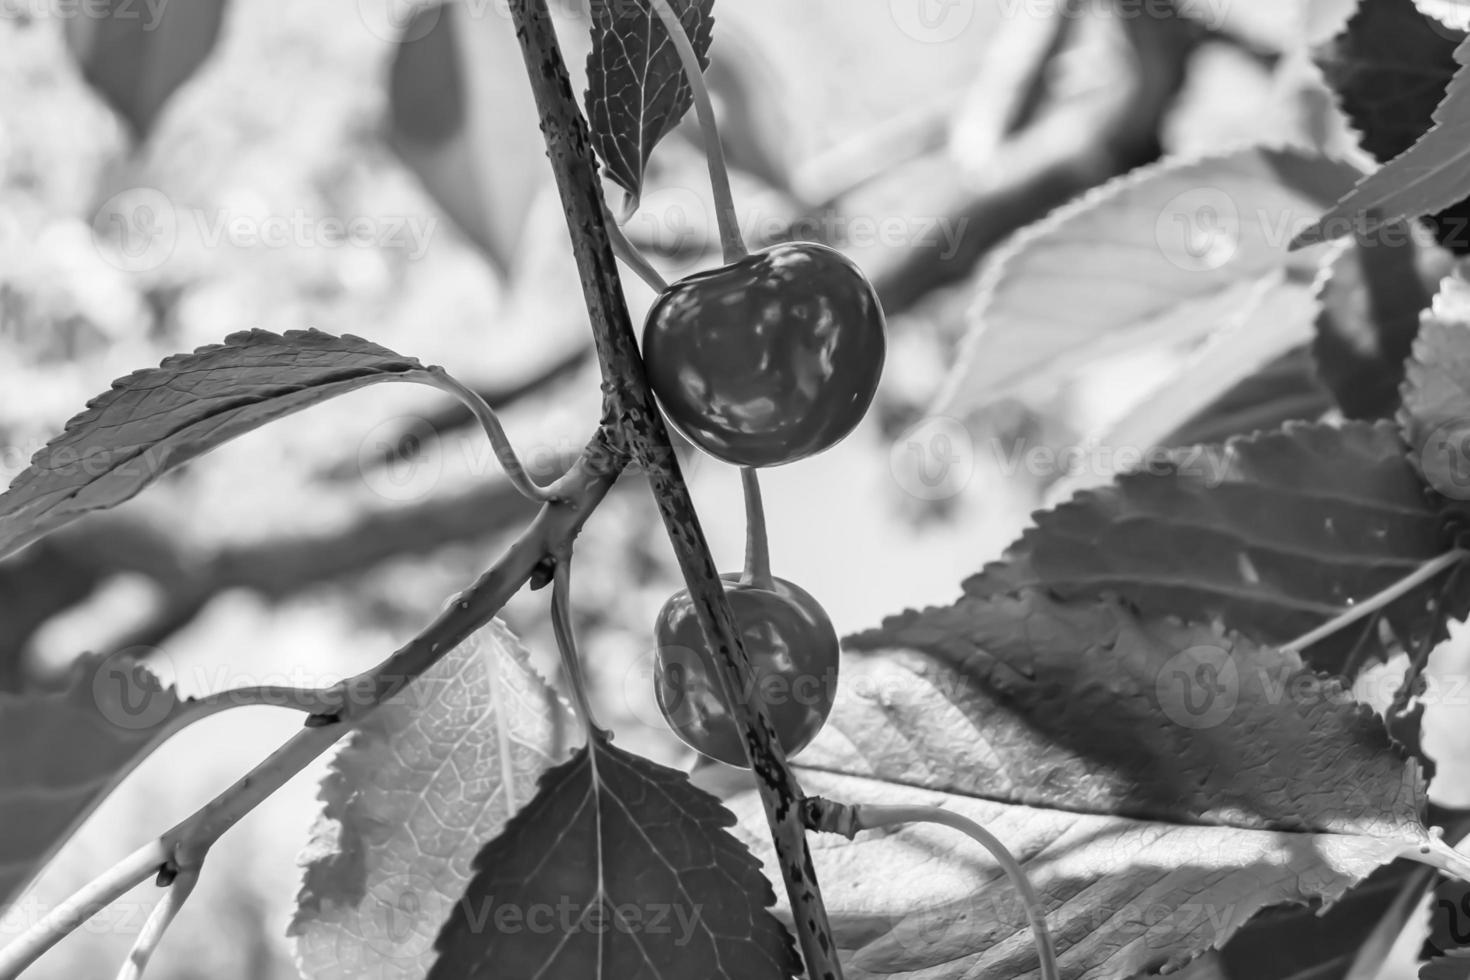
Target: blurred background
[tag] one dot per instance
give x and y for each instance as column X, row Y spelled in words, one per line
column 172, row 171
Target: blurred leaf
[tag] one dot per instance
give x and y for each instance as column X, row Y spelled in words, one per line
column 1160, row 255
column 1295, row 942
column 1286, row 390
column 1429, row 176
column 637, row 91
column 1389, row 68
column 1160, row 784
column 1276, row 318
column 155, row 420
column 638, row 865
column 1436, row 412
column 1453, row 966
column 461, row 118
column 1370, row 297
column 138, row 54
column 426, row 777
column 62, row 752
column 1275, row 534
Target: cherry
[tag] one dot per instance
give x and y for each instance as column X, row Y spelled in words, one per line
column 769, row 359
column 793, row 653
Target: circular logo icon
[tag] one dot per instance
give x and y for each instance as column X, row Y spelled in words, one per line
column 1444, row 458
column 1198, row 687
column 932, row 21
column 401, row 916
column 934, row 459
column 674, row 222
column 1199, row 229
column 128, row 692
column 640, row 684
column 136, row 229
column 399, row 21
column 401, row 459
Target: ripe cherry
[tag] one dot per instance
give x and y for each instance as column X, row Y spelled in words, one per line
column 793, row 653
column 769, row 359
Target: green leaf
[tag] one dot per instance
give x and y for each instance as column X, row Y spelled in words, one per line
column 1435, row 417
column 637, row 91
column 1431, row 175
column 635, row 871
column 1389, row 68
column 1159, row 783
column 427, row 777
column 155, row 420
column 1158, row 256
column 1455, row 965
column 1286, row 390
column 62, row 752
column 1370, row 297
column 138, row 56
column 1274, row 534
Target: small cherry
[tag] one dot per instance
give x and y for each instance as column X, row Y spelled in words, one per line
column 793, row 656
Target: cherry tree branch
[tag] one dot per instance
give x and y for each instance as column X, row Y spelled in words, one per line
column 181, row 850
column 632, row 407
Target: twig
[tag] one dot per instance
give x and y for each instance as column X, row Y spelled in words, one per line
column 849, row 819
column 1378, row 600
column 566, row 644
column 631, row 405
column 757, row 543
column 158, row 922
column 182, row 848
column 633, row 258
column 495, row 432
column 714, row 151
column 95, row 896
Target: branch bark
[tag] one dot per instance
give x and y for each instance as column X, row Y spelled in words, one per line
column 632, row 409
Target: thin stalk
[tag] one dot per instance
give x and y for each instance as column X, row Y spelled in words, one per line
column 566, row 643
column 757, row 544
column 873, row 817
column 635, row 259
column 731, row 240
column 499, row 441
column 159, row 920
column 1378, row 600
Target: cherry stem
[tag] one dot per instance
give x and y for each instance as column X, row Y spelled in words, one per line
column 1377, row 601
column 159, row 920
column 634, row 259
column 515, row 470
column 873, row 817
column 714, row 151
column 757, row 545
column 566, row 642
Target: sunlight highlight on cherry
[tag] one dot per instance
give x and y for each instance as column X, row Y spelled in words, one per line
column 770, row 359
